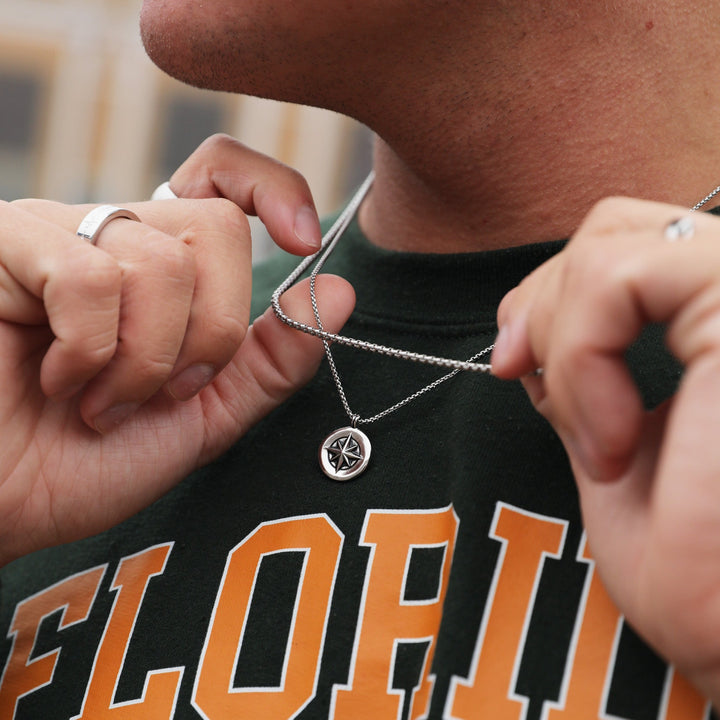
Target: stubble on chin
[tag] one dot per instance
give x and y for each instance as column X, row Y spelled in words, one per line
column 225, row 51
column 190, row 49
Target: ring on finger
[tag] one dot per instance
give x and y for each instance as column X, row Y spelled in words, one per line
column 98, row 218
column 164, row 192
column 681, row 229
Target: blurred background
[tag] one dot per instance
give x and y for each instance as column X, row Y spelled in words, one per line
column 86, row 117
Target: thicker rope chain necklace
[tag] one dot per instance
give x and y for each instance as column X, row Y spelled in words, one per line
column 345, row 453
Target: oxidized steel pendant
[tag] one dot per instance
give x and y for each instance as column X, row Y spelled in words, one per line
column 345, row 454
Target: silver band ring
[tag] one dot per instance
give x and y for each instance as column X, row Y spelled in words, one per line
column 98, row 218
column 164, row 192
column 681, row 229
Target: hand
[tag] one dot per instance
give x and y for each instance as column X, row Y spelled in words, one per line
column 127, row 365
column 649, row 482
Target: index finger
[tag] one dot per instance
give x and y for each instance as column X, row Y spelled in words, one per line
column 259, row 185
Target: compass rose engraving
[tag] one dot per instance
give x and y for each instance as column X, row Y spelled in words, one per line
column 345, row 453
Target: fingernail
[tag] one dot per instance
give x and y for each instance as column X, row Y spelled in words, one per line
column 307, row 227
column 110, row 419
column 190, row 381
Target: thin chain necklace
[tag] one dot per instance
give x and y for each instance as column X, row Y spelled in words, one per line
column 345, row 453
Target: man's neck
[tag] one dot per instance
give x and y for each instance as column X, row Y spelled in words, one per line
column 522, row 155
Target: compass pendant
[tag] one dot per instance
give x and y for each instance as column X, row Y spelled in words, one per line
column 345, row 454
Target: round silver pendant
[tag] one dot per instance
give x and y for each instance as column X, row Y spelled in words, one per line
column 345, row 454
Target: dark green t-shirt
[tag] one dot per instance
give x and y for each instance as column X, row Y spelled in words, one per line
column 450, row 580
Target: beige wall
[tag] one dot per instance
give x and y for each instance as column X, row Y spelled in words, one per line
column 101, row 119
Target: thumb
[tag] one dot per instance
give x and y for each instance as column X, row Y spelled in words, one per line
column 274, row 360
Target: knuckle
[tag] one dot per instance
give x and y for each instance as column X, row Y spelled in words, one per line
column 203, row 159
column 609, row 207
column 218, row 215
column 218, row 142
column 89, row 273
column 83, row 299
column 612, row 205
column 589, row 269
column 153, row 370
column 101, row 275
column 224, row 209
column 91, row 345
column 33, row 205
column 229, row 330
column 25, row 203
column 196, row 173
column 294, row 178
column 607, row 216
column 172, row 257
column 96, row 350
column 181, row 261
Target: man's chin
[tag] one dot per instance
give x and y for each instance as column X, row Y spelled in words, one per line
column 164, row 31
column 220, row 55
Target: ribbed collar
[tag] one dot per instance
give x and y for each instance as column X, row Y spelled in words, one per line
column 437, row 287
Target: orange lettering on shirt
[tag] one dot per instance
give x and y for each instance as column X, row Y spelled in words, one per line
column 23, row 675
column 161, row 687
column 214, row 696
column 682, row 701
column 527, row 539
column 387, row 619
column 591, row 659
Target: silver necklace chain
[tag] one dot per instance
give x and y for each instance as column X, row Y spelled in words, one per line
column 328, row 245
column 706, row 199
column 354, row 417
column 346, row 452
